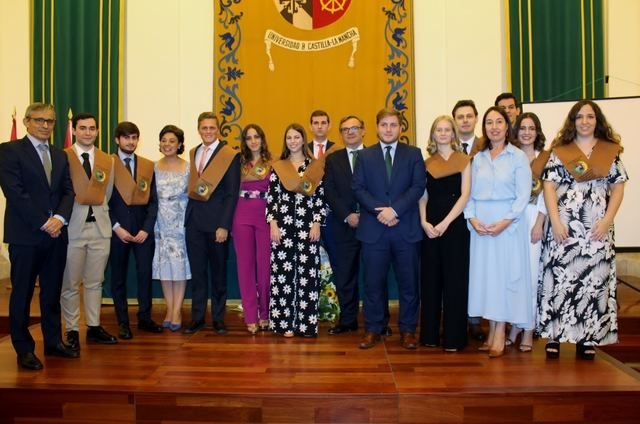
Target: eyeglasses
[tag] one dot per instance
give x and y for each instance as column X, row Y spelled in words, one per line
column 347, row 130
column 41, row 121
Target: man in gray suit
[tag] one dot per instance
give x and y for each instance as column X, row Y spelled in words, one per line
column 89, row 233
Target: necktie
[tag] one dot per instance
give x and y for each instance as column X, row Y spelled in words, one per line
column 465, row 147
column 320, row 150
column 203, row 160
column 127, row 164
column 86, row 164
column 354, row 159
column 46, row 160
column 387, row 161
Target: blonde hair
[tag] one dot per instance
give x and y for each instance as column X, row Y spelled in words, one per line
column 432, row 145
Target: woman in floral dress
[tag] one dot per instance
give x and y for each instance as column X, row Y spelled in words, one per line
column 295, row 211
column 170, row 262
column 583, row 189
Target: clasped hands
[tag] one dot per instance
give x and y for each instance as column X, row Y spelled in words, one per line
column 493, row 229
column 387, row 216
column 126, row 237
column 53, row 227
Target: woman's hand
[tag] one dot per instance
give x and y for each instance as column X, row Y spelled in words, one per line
column 560, row 232
column 441, row 228
column 536, row 233
column 497, row 228
column 479, row 227
column 275, row 232
column 600, row 230
column 314, row 233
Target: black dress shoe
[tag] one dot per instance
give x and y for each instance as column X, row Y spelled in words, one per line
column 194, row 327
column 124, row 332
column 29, row 361
column 339, row 329
column 73, row 340
column 99, row 335
column 219, row 327
column 61, row 350
column 149, row 326
column 386, row 331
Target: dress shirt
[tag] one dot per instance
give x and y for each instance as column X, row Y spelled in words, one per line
column 132, row 163
column 212, row 148
column 35, row 142
column 92, row 154
column 315, row 147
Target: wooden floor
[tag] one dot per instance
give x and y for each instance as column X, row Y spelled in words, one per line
column 171, row 378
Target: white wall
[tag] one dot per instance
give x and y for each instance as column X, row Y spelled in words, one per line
column 623, row 33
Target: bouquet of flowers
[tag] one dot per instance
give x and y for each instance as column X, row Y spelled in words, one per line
column 328, row 304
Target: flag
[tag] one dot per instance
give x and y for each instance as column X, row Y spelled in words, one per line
column 68, row 139
column 14, row 131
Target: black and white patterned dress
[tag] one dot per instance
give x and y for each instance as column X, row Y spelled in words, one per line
column 577, row 284
column 295, row 262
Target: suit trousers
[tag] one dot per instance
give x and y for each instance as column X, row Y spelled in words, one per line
column 87, row 257
column 345, row 273
column 45, row 261
column 119, row 260
column 391, row 249
column 252, row 244
column 204, row 252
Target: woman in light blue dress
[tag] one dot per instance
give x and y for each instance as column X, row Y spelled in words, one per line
column 170, row 262
column 499, row 250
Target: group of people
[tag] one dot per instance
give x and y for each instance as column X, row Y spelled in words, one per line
column 468, row 232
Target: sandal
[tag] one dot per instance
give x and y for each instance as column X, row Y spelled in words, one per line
column 512, row 341
column 588, row 353
column 484, row 348
column 553, row 350
column 525, row 348
column 263, row 324
column 288, row 334
column 252, row 328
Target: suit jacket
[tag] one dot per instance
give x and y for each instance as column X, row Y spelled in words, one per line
column 402, row 192
column 310, row 146
column 100, row 212
column 338, row 191
column 30, row 199
column 217, row 212
column 135, row 217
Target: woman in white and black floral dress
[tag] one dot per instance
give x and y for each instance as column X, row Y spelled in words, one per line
column 295, row 211
column 583, row 188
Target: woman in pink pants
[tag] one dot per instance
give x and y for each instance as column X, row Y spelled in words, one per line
column 250, row 229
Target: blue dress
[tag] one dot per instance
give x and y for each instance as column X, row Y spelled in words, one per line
column 499, row 270
column 170, row 261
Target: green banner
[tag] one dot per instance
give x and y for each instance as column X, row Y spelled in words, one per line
column 76, row 61
column 556, row 49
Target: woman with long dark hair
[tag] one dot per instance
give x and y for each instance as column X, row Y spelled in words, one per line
column 250, row 230
column 583, row 186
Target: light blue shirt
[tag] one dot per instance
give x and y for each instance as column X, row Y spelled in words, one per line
column 393, row 145
column 122, row 155
column 507, row 177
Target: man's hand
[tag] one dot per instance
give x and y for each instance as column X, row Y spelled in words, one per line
column 221, row 235
column 53, row 226
column 140, row 237
column 386, row 216
column 353, row 220
column 123, row 235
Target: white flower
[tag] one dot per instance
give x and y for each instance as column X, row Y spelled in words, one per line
column 282, row 279
column 283, row 324
column 284, row 208
column 285, row 197
column 302, row 234
column 303, row 304
column 288, row 243
column 300, row 211
column 286, row 289
column 288, row 219
column 299, row 223
column 287, row 266
column 282, row 255
column 313, row 319
column 275, row 313
column 303, row 258
column 287, row 312
column 282, row 301
column 313, row 295
column 274, row 290
column 303, row 328
column 303, row 281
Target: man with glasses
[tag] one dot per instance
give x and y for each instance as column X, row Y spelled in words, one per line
column 34, row 177
column 345, row 217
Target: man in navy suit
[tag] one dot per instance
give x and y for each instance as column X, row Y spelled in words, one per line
column 214, row 188
column 133, row 208
column 36, row 183
column 345, row 217
column 388, row 181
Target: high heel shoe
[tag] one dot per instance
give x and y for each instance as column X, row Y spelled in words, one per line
column 552, row 350
column 493, row 353
column 513, row 339
column 175, row 327
column 288, row 334
column 252, row 328
column 166, row 324
column 263, row 324
column 588, row 353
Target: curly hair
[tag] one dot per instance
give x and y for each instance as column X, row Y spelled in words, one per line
column 603, row 130
column 245, row 154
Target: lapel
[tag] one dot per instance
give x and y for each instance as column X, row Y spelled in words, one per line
column 135, row 167
column 380, row 164
column 345, row 162
column 34, row 160
column 397, row 160
column 56, row 165
column 215, row 152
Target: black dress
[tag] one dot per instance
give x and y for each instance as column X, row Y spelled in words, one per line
column 445, row 269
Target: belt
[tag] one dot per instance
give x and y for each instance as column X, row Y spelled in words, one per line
column 253, row 194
